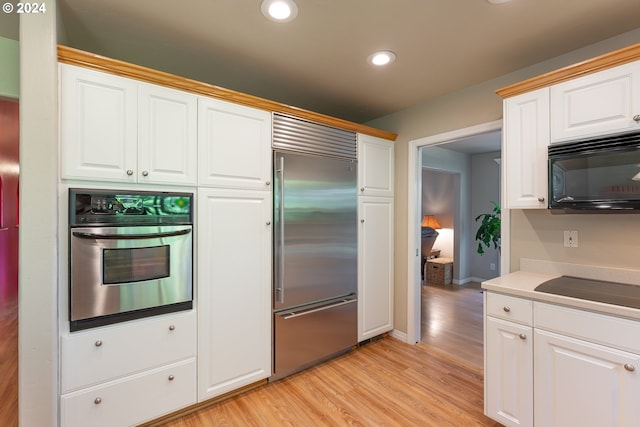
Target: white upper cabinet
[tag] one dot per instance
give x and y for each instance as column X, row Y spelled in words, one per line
column 167, row 135
column 98, row 125
column 234, row 148
column 375, row 166
column 526, row 138
column 118, row 129
column 604, row 102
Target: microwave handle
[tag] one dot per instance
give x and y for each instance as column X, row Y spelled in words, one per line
column 129, row 236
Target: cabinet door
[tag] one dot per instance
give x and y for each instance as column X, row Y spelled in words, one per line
column 599, row 103
column 98, row 122
column 509, row 372
column 234, row 145
column 234, row 289
column 375, row 266
column 375, row 166
column 578, row 383
column 526, row 127
column 167, row 136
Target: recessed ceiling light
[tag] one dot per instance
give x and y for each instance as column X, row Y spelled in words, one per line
column 383, row 57
column 279, row 10
column 498, row 1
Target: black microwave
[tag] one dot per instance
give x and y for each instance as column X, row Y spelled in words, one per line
column 595, row 175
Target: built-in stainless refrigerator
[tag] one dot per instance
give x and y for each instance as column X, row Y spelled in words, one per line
column 315, row 257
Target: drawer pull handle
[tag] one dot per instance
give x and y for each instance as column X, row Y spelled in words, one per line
column 506, row 309
column 523, row 336
column 97, row 400
column 98, row 343
column 171, row 377
column 629, row 367
column 172, row 327
column 541, row 199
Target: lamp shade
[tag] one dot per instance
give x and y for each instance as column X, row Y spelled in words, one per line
column 430, row 221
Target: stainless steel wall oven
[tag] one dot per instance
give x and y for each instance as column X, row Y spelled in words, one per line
column 130, row 255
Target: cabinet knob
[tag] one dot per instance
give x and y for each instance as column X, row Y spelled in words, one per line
column 541, row 199
column 362, row 221
column 506, row 309
column 171, row 378
column 636, row 118
column 523, row 336
column 145, row 173
column 629, row 367
column 361, row 189
column 98, row 343
column 97, row 400
column 129, row 172
column 268, row 222
column 172, row 327
column 268, row 183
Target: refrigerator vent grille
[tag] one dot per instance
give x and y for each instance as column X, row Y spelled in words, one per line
column 290, row 133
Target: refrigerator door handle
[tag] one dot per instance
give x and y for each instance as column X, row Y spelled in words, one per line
column 279, row 288
column 293, row 314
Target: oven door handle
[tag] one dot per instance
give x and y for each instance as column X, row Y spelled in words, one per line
column 129, row 236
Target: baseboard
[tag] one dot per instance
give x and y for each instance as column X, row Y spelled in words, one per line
column 399, row 335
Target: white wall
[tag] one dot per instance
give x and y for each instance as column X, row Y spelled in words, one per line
column 38, row 285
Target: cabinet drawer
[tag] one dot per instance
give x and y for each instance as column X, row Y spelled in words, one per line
column 510, row 308
column 623, row 334
column 97, row 355
column 134, row 399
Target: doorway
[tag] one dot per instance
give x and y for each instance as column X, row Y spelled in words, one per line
column 465, row 240
column 9, row 219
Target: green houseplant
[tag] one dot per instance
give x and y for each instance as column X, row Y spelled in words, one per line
column 488, row 233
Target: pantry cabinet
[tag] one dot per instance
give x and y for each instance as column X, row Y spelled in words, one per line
column 526, row 139
column 375, row 266
column 375, row 236
column 600, row 103
column 234, row 145
column 234, row 289
column 121, row 130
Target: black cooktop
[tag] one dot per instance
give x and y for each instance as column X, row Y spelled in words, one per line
column 593, row 290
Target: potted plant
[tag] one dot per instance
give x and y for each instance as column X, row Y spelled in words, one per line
column 489, row 230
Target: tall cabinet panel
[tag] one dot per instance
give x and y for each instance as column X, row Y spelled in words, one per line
column 235, row 145
column 526, row 128
column 375, row 236
column 234, row 283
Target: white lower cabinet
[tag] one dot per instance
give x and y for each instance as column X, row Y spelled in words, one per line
column 508, row 360
column 234, row 289
column 579, row 383
column 509, row 372
column 128, row 373
column 132, row 400
column 375, row 266
column 572, row 368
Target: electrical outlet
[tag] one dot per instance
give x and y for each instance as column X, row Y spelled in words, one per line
column 570, row 239
column 492, row 266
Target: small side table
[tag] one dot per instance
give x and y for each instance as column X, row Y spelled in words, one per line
column 439, row 271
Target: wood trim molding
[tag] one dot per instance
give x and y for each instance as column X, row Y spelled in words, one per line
column 599, row 63
column 81, row 58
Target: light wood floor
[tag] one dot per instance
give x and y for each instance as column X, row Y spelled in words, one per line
column 9, row 361
column 384, row 383
column 452, row 321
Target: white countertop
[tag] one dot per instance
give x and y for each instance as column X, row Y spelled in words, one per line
column 522, row 284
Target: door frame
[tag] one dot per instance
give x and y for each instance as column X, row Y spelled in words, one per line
column 414, row 207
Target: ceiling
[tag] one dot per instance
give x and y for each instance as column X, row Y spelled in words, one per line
column 318, row 61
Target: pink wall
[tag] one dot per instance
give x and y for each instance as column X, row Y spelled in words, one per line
column 9, row 174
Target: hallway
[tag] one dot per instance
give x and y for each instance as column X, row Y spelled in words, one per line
column 452, row 322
